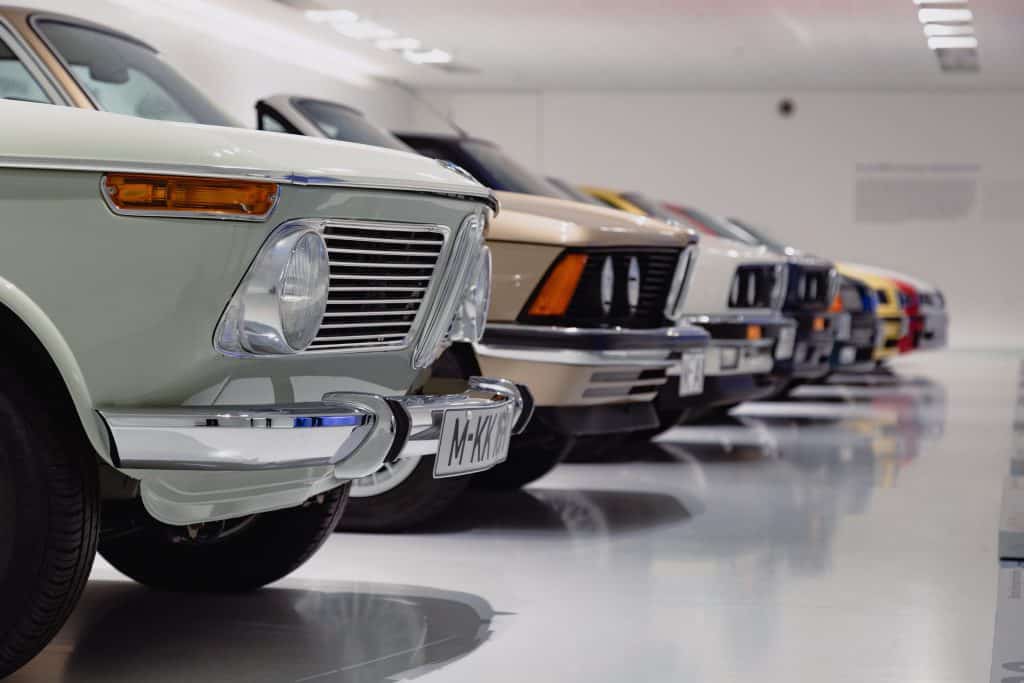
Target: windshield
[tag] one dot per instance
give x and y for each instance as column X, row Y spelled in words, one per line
column 718, row 226
column 652, row 208
column 497, row 171
column 341, row 123
column 573, row 192
column 125, row 77
column 757, row 234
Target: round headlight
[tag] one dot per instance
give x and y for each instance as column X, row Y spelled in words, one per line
column 302, row 294
column 471, row 318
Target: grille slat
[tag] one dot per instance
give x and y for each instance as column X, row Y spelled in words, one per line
column 380, row 274
column 381, row 252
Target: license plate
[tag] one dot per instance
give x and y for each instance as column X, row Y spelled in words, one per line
column 784, row 345
column 691, row 374
column 847, row 355
column 473, row 441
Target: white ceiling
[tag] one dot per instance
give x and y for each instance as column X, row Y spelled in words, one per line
column 666, row 44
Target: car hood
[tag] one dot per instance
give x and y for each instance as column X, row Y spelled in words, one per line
column 738, row 251
column 914, row 282
column 48, row 136
column 543, row 220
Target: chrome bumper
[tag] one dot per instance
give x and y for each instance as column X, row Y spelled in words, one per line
column 353, row 433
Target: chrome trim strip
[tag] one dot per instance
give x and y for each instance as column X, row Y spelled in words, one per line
column 238, row 173
column 351, row 435
column 255, row 218
column 681, row 279
column 28, row 58
column 653, row 359
column 767, row 319
column 670, row 334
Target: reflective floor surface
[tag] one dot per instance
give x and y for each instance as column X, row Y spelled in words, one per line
column 849, row 534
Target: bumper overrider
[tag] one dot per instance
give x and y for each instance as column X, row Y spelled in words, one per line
column 740, row 359
column 589, row 381
column 342, row 437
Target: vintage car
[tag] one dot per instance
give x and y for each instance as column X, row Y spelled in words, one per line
column 737, row 295
column 586, row 299
column 891, row 319
column 201, row 349
column 925, row 307
column 812, row 286
column 91, row 66
column 858, row 328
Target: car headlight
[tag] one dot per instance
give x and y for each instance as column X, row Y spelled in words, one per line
column 302, row 296
column 471, row 318
column 281, row 302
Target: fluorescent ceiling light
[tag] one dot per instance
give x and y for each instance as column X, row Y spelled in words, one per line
column 364, row 30
column 953, row 42
column 931, row 15
column 948, row 30
column 434, row 56
column 331, row 16
column 398, row 44
column 940, row 2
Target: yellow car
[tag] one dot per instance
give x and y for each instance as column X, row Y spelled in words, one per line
column 614, row 199
column 890, row 309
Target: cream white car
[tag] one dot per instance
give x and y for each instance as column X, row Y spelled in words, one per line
column 210, row 332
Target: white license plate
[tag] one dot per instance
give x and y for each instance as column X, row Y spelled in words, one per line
column 691, row 374
column 786, row 340
column 473, row 441
column 847, row 355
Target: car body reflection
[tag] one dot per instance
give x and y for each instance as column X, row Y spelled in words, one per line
column 356, row 633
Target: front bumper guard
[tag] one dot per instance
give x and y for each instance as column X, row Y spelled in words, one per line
column 351, row 432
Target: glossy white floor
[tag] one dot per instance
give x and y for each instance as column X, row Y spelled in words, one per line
column 846, row 536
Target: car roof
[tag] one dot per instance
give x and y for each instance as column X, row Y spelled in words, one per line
column 34, row 14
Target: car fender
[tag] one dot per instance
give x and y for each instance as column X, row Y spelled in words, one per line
column 21, row 305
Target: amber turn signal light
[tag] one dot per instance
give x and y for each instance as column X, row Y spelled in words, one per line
column 554, row 297
column 188, row 196
column 754, row 332
column 837, row 305
column 819, row 324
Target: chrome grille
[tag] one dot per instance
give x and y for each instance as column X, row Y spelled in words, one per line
column 380, row 275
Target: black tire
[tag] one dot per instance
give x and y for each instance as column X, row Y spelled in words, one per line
column 530, row 457
column 49, row 520
column 419, row 499
column 231, row 556
column 599, row 448
column 668, row 420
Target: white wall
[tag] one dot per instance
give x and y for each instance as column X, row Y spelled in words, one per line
column 730, row 152
column 238, row 51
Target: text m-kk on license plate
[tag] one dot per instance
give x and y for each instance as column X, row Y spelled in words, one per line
column 473, row 440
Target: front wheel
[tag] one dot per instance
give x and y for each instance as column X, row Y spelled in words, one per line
column 49, row 522
column 530, row 457
column 400, row 495
column 226, row 556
